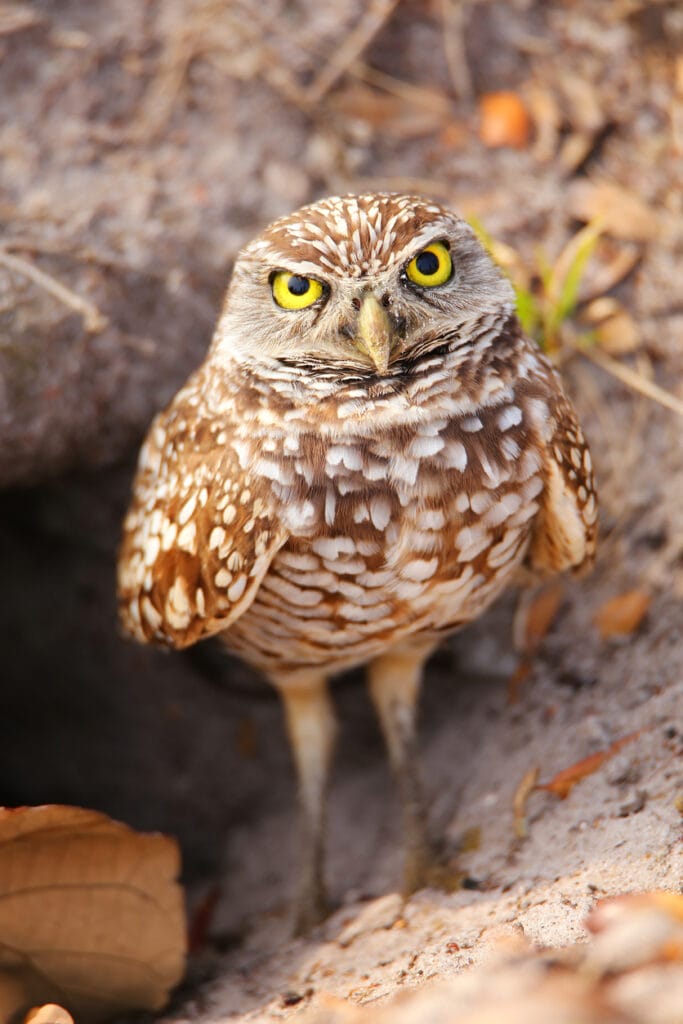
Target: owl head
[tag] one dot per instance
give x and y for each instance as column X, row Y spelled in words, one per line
column 361, row 285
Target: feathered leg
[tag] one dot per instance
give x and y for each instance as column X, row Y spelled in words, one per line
column 394, row 681
column 311, row 729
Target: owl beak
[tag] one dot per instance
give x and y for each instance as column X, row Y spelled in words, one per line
column 375, row 333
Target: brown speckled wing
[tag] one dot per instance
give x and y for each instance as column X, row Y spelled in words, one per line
column 200, row 533
column 565, row 529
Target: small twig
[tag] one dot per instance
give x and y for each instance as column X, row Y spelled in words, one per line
column 353, row 45
column 93, row 320
column 163, row 93
column 64, row 247
column 415, row 94
column 18, row 18
column 275, row 73
column 453, row 15
column 519, row 802
column 633, row 380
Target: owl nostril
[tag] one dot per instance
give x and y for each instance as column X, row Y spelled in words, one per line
column 355, row 303
column 386, row 300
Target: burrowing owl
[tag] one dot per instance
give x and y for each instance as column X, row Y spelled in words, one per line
column 368, row 452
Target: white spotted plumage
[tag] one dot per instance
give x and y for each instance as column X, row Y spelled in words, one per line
column 318, row 511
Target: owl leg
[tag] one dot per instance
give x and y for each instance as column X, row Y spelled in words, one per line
column 394, row 682
column 311, row 729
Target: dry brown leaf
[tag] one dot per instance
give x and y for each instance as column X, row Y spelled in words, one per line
column 522, row 793
column 535, row 617
column 582, row 102
column 503, row 120
column 517, row 680
column 547, row 118
column 620, row 212
column 562, row 784
column 91, row 914
column 618, row 334
column 574, row 150
column 382, row 111
column 17, row 17
column 614, row 328
column 49, row 1013
column 613, row 261
column 622, row 615
column 454, row 135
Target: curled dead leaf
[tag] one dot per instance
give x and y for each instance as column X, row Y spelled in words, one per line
column 575, row 150
column 535, row 616
column 562, row 784
column 517, row 679
column 503, row 120
column 618, row 334
column 582, row 101
column 614, row 327
column 524, row 790
column 623, row 614
column 91, row 913
column 547, row 118
column 613, row 262
column 17, row 18
column 381, row 111
column 620, row 212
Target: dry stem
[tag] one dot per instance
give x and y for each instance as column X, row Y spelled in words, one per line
column 634, row 380
column 93, row 320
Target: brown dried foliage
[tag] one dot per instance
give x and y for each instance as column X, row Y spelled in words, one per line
column 91, row 915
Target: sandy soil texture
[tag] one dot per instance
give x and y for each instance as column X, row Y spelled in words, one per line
column 141, row 145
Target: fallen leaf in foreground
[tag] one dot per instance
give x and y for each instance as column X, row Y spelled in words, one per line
column 91, row 914
column 563, row 783
column 622, row 614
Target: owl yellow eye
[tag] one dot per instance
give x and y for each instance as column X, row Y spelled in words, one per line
column 294, row 292
column 431, row 267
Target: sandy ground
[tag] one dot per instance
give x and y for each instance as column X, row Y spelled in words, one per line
column 164, row 142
